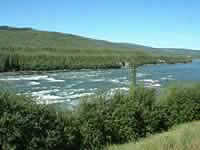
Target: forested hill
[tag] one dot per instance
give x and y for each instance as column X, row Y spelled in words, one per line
column 31, row 49
column 28, row 37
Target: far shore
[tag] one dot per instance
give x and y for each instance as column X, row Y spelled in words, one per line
column 30, row 72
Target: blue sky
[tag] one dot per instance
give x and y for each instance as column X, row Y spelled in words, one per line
column 157, row 23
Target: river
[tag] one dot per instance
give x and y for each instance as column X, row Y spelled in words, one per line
column 67, row 87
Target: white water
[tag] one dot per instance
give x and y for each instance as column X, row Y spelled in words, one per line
column 66, row 87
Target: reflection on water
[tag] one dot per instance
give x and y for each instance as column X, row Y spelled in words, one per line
column 69, row 86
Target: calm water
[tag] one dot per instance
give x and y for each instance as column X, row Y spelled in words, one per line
column 68, row 87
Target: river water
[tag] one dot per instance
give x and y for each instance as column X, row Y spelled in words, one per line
column 67, row 87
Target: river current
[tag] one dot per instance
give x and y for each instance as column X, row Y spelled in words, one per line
column 68, row 86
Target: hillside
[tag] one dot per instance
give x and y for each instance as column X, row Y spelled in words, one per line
column 28, row 37
column 30, row 49
column 183, row 137
column 187, row 52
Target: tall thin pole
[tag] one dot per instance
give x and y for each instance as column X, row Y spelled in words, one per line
column 134, row 71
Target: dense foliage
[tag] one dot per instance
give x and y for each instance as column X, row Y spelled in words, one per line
column 25, row 125
column 20, row 59
column 97, row 121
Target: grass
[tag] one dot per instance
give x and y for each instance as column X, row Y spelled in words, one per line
column 29, row 49
column 182, row 137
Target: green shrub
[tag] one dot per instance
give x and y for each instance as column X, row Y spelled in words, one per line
column 183, row 103
column 97, row 121
column 23, row 125
column 117, row 120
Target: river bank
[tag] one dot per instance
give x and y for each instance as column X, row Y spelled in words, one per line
column 12, row 65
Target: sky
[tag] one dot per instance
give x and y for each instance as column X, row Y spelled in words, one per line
column 156, row 23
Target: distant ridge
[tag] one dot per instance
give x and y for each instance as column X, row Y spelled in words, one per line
column 44, row 39
column 50, row 39
column 13, row 28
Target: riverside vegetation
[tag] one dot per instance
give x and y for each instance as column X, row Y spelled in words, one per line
column 97, row 121
column 25, row 49
column 17, row 59
column 181, row 137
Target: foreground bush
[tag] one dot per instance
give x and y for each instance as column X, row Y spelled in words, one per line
column 117, row 120
column 183, row 137
column 183, row 103
column 23, row 125
column 97, row 121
